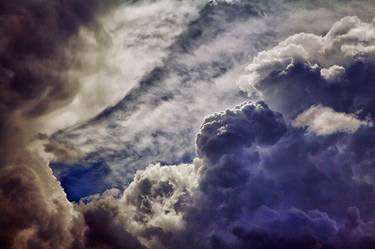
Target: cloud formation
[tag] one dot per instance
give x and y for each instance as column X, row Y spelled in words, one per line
column 307, row 69
column 248, row 123
column 325, row 121
column 257, row 180
column 275, row 187
column 332, row 73
column 265, row 183
column 38, row 55
column 200, row 52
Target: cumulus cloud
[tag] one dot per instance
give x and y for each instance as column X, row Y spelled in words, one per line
column 260, row 182
column 245, row 195
column 248, row 123
column 332, row 73
column 297, row 72
column 347, row 39
column 158, row 195
column 99, row 227
column 162, row 203
column 325, row 121
column 151, row 210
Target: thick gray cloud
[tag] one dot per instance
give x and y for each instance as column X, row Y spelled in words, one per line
column 248, row 123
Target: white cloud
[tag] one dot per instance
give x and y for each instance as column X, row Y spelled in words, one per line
column 158, row 195
column 325, row 121
column 332, row 73
column 347, row 39
column 132, row 41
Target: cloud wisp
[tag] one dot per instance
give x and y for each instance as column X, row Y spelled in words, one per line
column 325, row 121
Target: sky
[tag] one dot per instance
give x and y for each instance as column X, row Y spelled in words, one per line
column 204, row 124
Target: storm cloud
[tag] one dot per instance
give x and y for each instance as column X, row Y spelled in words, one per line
column 186, row 159
column 38, row 55
column 266, row 183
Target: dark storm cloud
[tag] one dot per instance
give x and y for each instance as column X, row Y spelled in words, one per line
column 248, row 123
column 37, row 50
column 104, row 231
column 35, row 35
column 325, row 180
column 27, row 217
column 294, row 229
column 39, row 42
column 298, row 229
column 247, row 194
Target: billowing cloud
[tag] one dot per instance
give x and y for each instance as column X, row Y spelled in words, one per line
column 271, row 187
column 300, row 70
column 163, row 202
column 151, row 210
column 332, row 73
column 158, row 195
column 248, row 123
